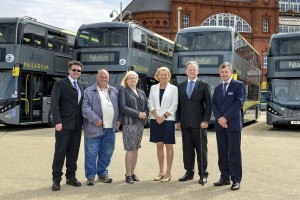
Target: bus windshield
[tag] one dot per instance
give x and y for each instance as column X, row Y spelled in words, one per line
column 102, row 37
column 204, row 41
column 285, row 91
column 8, row 85
column 285, row 46
column 7, row 33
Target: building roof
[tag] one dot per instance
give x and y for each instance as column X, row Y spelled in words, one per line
column 149, row 5
column 289, row 21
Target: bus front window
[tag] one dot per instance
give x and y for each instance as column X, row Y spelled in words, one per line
column 8, row 85
column 204, row 41
column 7, row 33
column 102, row 37
column 285, row 91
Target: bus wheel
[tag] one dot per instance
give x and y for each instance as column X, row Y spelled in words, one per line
column 50, row 120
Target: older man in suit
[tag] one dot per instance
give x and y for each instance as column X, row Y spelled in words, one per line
column 227, row 105
column 193, row 113
column 66, row 99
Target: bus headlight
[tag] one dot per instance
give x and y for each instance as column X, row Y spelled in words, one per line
column 273, row 111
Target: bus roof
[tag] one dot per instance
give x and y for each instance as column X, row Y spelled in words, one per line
column 122, row 24
column 206, row 28
column 283, row 35
column 30, row 20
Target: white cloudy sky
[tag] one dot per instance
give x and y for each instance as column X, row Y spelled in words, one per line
column 67, row 14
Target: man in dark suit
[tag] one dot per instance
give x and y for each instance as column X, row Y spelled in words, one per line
column 227, row 104
column 66, row 101
column 193, row 113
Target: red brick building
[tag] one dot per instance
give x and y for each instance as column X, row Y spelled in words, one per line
column 256, row 20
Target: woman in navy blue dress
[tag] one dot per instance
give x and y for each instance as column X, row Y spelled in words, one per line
column 163, row 100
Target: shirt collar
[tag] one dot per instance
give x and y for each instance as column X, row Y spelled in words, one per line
column 192, row 80
column 227, row 81
column 72, row 80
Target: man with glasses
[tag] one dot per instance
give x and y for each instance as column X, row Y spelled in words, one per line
column 66, row 100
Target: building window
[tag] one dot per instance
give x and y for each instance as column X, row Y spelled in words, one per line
column 227, row 19
column 266, row 25
column 265, row 60
column 186, row 20
column 285, row 5
column 284, row 28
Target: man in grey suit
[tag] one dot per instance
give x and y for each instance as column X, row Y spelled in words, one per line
column 100, row 112
column 66, row 99
column 193, row 114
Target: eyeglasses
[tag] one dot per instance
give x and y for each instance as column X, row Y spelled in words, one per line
column 76, row 70
column 132, row 78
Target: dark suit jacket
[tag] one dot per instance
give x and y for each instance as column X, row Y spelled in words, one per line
column 230, row 106
column 64, row 104
column 131, row 105
column 191, row 112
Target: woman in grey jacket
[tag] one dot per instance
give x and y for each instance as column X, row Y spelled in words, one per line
column 134, row 109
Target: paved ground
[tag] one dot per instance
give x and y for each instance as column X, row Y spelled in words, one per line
column 271, row 168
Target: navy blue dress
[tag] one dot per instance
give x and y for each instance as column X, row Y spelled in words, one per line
column 164, row 132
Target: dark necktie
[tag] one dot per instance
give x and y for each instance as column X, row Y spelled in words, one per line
column 190, row 88
column 224, row 89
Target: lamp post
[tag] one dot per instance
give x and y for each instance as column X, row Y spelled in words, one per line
column 179, row 20
column 121, row 15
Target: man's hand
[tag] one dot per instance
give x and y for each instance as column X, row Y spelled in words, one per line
column 58, row 127
column 99, row 123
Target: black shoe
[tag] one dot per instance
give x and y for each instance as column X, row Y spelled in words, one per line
column 186, row 177
column 235, row 186
column 135, row 178
column 74, row 182
column 203, row 180
column 129, row 179
column 222, row 182
column 56, row 185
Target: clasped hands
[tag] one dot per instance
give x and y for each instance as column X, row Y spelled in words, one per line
column 223, row 122
column 142, row 115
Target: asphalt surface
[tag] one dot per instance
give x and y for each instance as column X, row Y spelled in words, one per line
column 271, row 168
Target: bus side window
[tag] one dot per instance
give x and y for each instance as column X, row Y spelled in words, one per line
column 27, row 39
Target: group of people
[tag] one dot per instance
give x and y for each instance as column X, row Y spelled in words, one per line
column 101, row 109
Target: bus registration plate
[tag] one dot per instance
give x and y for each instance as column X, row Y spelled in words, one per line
column 295, row 122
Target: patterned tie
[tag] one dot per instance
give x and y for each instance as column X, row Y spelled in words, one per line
column 190, row 88
column 224, row 89
column 75, row 85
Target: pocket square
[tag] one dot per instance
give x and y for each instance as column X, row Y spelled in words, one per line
column 230, row 93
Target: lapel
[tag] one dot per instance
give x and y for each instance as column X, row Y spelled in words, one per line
column 130, row 91
column 69, row 84
column 184, row 85
column 195, row 87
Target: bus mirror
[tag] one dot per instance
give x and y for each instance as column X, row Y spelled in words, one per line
column 16, row 71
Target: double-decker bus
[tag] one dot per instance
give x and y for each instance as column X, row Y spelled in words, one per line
column 283, row 79
column 119, row 47
column 210, row 46
column 32, row 56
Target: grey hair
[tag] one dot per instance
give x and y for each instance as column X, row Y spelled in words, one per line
column 226, row 64
column 191, row 62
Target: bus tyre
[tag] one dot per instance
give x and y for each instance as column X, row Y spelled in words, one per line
column 50, row 121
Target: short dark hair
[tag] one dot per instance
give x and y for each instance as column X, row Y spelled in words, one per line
column 74, row 62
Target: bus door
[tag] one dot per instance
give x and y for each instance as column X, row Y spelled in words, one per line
column 142, row 84
column 32, row 87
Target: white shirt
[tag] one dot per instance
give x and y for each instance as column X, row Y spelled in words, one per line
column 107, row 108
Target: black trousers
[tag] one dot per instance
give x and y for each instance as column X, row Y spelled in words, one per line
column 67, row 144
column 190, row 143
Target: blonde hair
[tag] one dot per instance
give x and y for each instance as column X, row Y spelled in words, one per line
column 162, row 69
column 123, row 82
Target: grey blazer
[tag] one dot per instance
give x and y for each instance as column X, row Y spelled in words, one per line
column 131, row 105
